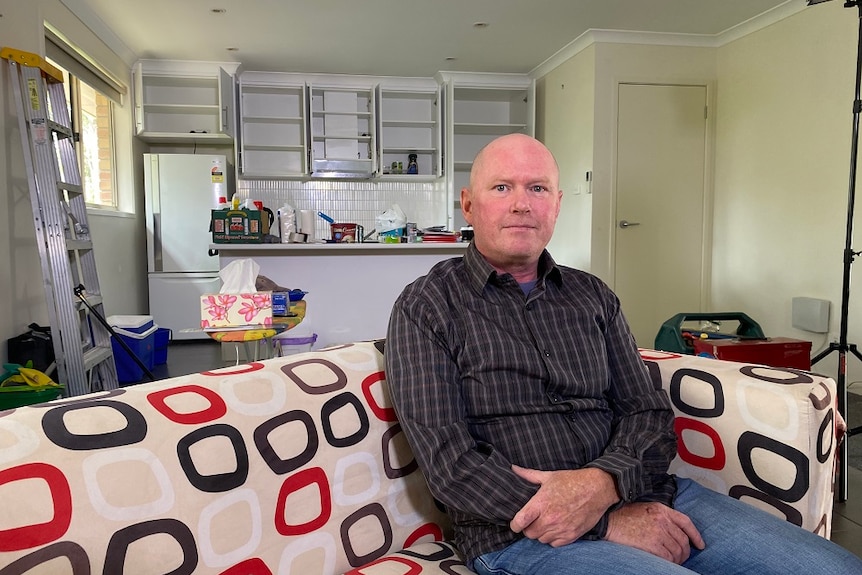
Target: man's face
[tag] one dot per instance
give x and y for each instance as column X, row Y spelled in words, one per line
column 513, row 201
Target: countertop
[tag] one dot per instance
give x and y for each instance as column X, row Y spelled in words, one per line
column 352, row 248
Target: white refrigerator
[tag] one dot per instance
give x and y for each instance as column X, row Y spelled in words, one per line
column 181, row 189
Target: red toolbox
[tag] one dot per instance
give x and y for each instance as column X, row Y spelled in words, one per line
column 772, row 351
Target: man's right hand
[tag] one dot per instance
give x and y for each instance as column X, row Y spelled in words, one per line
column 656, row 529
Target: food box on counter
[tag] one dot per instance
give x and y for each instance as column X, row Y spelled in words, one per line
column 236, row 227
column 236, row 311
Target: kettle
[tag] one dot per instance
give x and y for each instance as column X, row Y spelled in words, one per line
column 266, row 223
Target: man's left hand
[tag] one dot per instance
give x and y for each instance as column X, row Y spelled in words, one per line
column 568, row 504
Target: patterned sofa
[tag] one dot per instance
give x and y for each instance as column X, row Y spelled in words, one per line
column 297, row 465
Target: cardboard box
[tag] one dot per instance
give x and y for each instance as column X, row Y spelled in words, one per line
column 236, row 227
column 236, row 311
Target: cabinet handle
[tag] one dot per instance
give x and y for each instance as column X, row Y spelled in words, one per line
column 627, row 224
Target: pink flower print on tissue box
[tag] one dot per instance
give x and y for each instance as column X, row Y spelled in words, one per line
column 236, row 310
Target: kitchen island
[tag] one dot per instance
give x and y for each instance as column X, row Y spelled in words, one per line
column 351, row 287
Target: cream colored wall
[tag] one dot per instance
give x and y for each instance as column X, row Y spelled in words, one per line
column 564, row 122
column 118, row 241
column 782, row 163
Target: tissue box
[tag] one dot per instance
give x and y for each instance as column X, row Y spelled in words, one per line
column 236, row 226
column 236, row 311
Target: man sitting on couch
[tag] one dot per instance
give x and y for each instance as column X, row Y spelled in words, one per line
column 530, row 411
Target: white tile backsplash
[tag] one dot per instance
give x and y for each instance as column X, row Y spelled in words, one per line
column 352, row 201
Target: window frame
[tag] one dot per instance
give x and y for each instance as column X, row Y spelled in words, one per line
column 81, row 70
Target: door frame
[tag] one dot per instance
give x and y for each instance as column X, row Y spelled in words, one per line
column 708, row 184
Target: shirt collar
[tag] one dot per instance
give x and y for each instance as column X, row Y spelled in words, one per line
column 480, row 273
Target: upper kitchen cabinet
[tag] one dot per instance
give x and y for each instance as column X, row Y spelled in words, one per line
column 185, row 101
column 410, row 128
column 483, row 107
column 342, row 131
column 273, row 137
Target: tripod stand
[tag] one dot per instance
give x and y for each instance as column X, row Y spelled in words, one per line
column 842, row 346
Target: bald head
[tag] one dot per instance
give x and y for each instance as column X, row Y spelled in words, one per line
column 507, row 144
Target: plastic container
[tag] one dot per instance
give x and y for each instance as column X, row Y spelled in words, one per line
column 291, row 345
column 132, row 323
column 142, row 345
column 19, row 396
column 161, row 340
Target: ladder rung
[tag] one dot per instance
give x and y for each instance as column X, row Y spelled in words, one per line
column 96, row 355
column 74, row 188
column 93, row 300
column 64, row 131
column 72, row 245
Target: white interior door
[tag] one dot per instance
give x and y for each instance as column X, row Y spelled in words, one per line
column 659, row 234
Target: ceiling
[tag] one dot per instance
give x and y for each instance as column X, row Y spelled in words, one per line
column 390, row 37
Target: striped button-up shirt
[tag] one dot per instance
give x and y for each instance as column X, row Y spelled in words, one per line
column 483, row 377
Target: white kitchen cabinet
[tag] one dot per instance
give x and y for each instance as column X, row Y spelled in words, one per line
column 342, row 131
column 274, row 132
column 482, row 108
column 410, row 123
column 184, row 101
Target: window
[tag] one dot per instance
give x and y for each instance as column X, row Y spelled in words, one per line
column 91, row 113
column 91, row 94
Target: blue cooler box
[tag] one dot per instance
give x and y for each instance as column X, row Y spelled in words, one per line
column 142, row 345
column 132, row 323
column 160, row 346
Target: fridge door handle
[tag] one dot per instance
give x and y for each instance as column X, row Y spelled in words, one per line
column 157, row 242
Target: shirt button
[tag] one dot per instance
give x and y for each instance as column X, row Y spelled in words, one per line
column 547, row 353
column 529, row 307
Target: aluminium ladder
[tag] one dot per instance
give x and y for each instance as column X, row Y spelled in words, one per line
column 82, row 348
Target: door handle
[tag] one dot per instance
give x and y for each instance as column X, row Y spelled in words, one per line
column 627, row 224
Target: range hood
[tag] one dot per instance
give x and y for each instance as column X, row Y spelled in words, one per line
column 356, row 169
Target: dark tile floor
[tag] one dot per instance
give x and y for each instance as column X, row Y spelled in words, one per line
column 847, row 516
column 186, row 357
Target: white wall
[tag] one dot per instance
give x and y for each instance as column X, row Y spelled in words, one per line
column 117, row 240
column 782, row 162
column 565, row 102
column 781, row 100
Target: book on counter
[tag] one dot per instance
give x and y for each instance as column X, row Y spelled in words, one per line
column 439, row 234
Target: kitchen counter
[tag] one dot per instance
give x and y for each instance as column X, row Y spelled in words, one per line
column 353, row 248
column 351, row 287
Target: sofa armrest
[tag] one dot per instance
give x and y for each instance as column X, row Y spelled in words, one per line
column 761, row 434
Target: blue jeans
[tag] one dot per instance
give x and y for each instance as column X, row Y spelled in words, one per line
column 740, row 540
